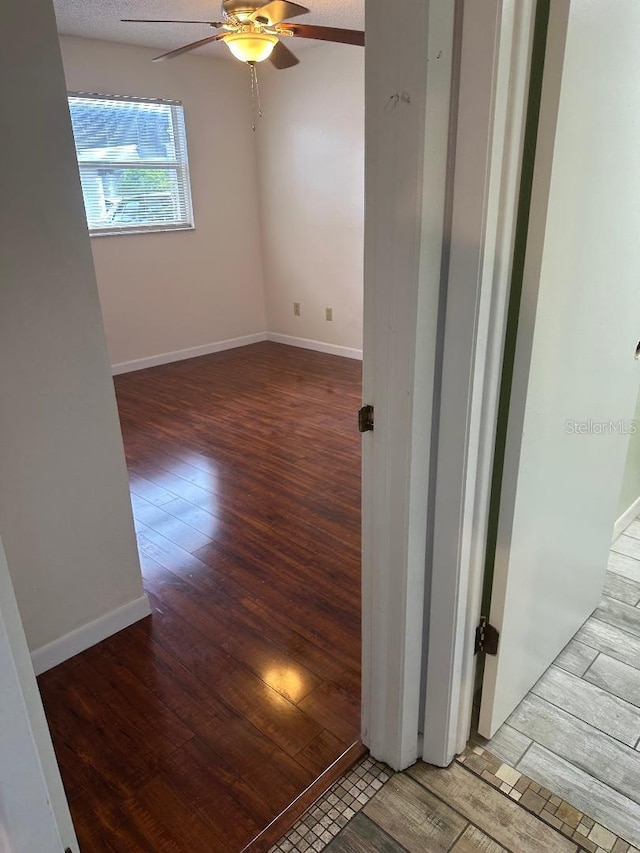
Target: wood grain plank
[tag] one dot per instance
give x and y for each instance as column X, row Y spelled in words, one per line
column 622, row 589
column 633, row 529
column 576, row 658
column 626, row 567
column 616, row 678
column 591, row 704
column 334, row 707
column 589, row 749
column 157, row 518
column 103, row 828
column 249, row 696
column 618, row 813
column 156, row 819
column 214, row 789
column 122, row 737
column 149, row 491
column 170, row 823
column 414, row 817
column 216, row 621
column 619, row 614
column 321, row 752
column 473, row 840
column 362, row 835
column 490, row 810
column 194, row 516
column 612, row 641
column 508, row 744
column 629, row 546
column 244, row 613
column 235, row 742
column 286, row 819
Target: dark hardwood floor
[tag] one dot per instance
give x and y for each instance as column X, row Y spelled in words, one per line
column 194, row 728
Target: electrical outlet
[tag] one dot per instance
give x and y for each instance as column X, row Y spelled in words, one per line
column 296, row 309
column 328, row 313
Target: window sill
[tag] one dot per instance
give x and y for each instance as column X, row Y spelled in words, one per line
column 125, row 232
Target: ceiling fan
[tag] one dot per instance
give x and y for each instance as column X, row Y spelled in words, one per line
column 253, row 31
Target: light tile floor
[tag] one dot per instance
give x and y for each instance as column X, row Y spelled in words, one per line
column 578, row 731
column 535, row 798
column 478, row 804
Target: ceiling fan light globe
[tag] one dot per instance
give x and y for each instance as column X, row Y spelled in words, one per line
column 251, row 47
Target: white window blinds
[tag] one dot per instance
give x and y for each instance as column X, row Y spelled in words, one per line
column 132, row 156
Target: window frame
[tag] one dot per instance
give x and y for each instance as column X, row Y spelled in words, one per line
column 179, row 165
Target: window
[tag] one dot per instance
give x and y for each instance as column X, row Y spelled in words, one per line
column 132, row 155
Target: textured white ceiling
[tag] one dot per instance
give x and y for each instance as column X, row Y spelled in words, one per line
column 100, row 19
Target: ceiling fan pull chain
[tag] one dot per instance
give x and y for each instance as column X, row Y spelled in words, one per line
column 255, row 94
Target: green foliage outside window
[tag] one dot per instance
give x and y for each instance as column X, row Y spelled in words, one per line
column 134, row 181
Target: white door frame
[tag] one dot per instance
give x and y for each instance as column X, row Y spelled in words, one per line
column 492, row 118
column 408, row 93
column 446, row 96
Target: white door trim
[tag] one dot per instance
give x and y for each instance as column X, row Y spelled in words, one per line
column 408, row 96
column 35, row 810
column 496, row 51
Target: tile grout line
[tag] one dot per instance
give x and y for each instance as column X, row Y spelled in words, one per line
column 460, row 834
column 610, row 625
column 298, row 838
column 384, row 832
column 510, row 799
column 437, row 796
column 325, row 819
column 539, row 790
column 582, row 677
column 522, row 757
column 580, row 720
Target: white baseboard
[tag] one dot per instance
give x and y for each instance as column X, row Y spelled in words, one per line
column 626, row 518
column 318, row 346
column 232, row 343
column 182, row 354
column 88, row 635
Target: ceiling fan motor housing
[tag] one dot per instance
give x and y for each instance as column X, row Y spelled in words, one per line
column 240, row 9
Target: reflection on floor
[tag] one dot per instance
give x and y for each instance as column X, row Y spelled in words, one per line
column 193, row 729
column 578, row 731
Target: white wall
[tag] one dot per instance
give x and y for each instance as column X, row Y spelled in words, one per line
column 172, row 291
column 311, row 170
column 65, row 515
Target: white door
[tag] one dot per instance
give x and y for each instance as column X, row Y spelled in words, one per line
column 33, row 811
column 575, row 380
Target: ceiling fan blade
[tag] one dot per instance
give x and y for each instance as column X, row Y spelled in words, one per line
column 187, row 47
column 282, row 57
column 335, row 34
column 278, row 10
column 216, row 24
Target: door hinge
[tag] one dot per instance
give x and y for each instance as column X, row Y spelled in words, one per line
column 487, row 638
column 365, row 418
